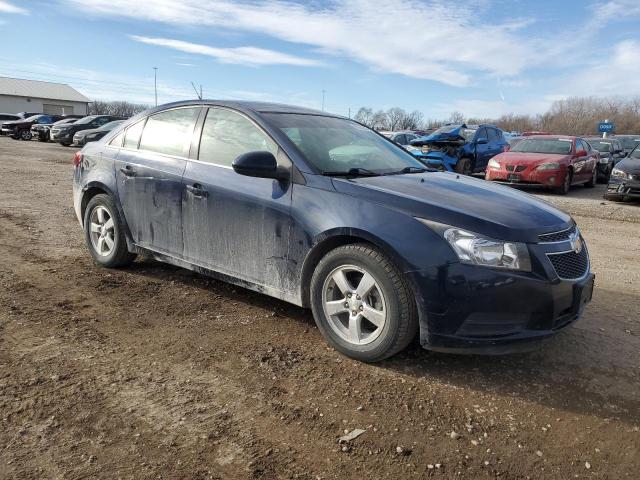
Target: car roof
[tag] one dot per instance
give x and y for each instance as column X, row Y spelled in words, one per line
column 256, row 107
column 550, row 137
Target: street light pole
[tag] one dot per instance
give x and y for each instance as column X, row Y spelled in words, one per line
column 323, row 92
column 155, row 83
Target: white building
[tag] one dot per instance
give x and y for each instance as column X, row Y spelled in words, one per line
column 19, row 95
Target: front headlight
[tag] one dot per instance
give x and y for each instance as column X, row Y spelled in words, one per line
column 475, row 249
column 549, row 166
column 616, row 173
column 493, row 164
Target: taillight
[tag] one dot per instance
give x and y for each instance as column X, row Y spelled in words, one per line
column 77, row 159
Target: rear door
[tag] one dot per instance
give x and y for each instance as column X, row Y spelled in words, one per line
column 149, row 170
column 234, row 224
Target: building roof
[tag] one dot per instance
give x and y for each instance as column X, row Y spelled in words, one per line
column 36, row 89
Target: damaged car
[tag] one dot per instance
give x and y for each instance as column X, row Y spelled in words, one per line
column 320, row 211
column 624, row 183
column 464, row 149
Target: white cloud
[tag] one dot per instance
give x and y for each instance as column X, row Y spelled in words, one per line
column 616, row 74
column 238, row 55
column 426, row 40
column 6, row 7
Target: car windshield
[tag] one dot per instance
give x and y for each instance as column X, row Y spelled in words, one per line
column 85, row 120
column 604, row 147
column 635, row 153
column 339, row 145
column 630, row 142
column 540, row 145
column 32, row 118
column 65, row 121
column 110, row 125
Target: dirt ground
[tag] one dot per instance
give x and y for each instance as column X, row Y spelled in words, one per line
column 155, row 372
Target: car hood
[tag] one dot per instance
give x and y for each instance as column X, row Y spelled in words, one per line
column 491, row 210
column 87, row 131
column 12, row 123
column 524, row 158
column 629, row 165
column 453, row 136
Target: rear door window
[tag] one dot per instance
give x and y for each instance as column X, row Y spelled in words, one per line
column 580, row 147
column 170, row 132
column 492, row 135
column 227, row 134
column 401, row 139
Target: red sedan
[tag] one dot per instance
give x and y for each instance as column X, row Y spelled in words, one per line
column 552, row 161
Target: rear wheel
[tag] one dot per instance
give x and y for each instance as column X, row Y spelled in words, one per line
column 566, row 184
column 104, row 233
column 464, row 166
column 362, row 303
column 594, row 177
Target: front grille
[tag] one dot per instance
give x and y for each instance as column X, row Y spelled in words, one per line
column 516, row 168
column 560, row 236
column 570, row 265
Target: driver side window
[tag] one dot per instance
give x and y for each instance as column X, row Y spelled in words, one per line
column 227, row 134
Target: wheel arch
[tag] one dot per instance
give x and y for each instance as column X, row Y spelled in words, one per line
column 96, row 188
column 335, row 238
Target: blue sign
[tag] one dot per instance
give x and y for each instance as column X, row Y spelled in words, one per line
column 606, row 127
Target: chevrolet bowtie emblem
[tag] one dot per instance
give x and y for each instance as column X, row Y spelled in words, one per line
column 576, row 242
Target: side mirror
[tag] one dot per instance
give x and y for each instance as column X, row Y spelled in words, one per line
column 482, row 141
column 259, row 164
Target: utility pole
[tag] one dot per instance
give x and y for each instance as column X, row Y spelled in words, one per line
column 155, row 83
column 323, row 92
column 349, row 112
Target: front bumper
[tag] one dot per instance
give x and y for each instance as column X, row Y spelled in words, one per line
column 530, row 176
column 621, row 188
column 62, row 137
column 437, row 160
column 471, row 309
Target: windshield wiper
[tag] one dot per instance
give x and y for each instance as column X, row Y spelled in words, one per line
column 408, row 170
column 352, row 172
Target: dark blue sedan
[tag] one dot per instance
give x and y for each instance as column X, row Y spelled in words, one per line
column 320, row 211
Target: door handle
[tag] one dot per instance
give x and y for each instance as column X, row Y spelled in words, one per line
column 197, row 191
column 128, row 171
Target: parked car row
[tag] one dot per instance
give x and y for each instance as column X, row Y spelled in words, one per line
column 528, row 159
column 64, row 129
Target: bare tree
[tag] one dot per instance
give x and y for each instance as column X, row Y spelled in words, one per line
column 456, row 117
column 364, row 116
column 118, row 109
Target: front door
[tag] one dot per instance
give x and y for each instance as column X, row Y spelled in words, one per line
column 149, row 170
column 234, row 224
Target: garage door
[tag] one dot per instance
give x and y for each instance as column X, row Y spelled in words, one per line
column 52, row 109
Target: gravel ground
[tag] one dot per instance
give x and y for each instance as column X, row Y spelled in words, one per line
column 157, row 372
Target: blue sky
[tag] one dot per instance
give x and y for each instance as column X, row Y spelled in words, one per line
column 480, row 57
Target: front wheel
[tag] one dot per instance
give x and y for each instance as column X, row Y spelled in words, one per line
column 566, row 184
column 104, row 233
column 464, row 166
column 25, row 135
column 362, row 304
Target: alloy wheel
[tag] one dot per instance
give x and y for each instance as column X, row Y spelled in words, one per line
column 354, row 304
column 102, row 231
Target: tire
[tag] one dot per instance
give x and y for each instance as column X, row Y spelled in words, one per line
column 43, row 138
column 594, row 176
column 25, row 135
column 100, row 210
column 566, row 185
column 389, row 302
column 65, row 144
column 463, row 166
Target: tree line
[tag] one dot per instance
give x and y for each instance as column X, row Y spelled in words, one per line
column 118, row 109
column 575, row 115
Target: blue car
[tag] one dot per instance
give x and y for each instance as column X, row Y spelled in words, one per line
column 322, row 212
column 464, row 149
